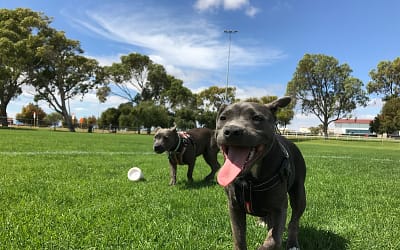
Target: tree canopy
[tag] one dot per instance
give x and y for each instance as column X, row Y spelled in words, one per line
column 62, row 73
column 325, row 88
column 385, row 79
column 30, row 113
column 136, row 78
column 388, row 121
column 21, row 31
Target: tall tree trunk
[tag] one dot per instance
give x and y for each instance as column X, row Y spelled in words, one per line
column 70, row 124
column 3, row 115
column 65, row 111
column 68, row 121
column 325, row 129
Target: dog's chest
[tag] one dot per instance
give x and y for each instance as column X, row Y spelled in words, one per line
column 259, row 197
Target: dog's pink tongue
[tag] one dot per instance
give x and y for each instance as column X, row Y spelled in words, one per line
column 233, row 165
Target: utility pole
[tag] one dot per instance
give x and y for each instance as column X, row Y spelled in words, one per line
column 229, row 32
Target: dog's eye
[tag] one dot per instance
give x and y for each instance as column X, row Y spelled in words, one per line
column 258, row 118
column 222, row 118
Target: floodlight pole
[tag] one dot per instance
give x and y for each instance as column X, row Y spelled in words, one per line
column 229, row 32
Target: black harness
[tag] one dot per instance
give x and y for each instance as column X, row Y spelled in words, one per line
column 251, row 193
column 176, row 156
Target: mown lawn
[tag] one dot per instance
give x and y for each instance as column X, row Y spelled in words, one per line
column 61, row 190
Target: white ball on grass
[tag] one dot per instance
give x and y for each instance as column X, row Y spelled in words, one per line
column 135, row 174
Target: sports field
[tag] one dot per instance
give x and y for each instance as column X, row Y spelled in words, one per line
column 61, row 190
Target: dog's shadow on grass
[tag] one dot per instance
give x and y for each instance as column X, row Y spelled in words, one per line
column 197, row 184
column 313, row 239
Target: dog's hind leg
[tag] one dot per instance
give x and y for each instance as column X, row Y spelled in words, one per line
column 297, row 196
column 190, row 171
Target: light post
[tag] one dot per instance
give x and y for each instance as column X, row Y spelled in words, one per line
column 229, row 32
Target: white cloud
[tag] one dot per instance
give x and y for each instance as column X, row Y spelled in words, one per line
column 180, row 42
column 212, row 5
column 252, row 11
column 106, row 60
column 203, row 5
column 303, row 121
column 189, row 47
column 250, row 91
column 234, row 4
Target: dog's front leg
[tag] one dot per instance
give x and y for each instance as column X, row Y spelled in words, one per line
column 173, row 174
column 276, row 225
column 238, row 221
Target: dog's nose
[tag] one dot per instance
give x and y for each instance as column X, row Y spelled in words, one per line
column 233, row 131
column 158, row 149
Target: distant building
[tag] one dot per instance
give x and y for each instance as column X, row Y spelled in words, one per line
column 352, row 126
column 304, row 130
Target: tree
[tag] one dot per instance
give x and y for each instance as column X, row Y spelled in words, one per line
column 390, row 116
column 126, row 118
column 316, row 130
column 386, row 79
column 207, row 118
column 326, row 89
column 148, row 115
column 209, row 101
column 158, row 81
column 87, row 122
column 375, row 125
column 136, row 78
column 53, row 119
column 285, row 115
column 29, row 113
column 212, row 98
column 185, row 118
column 109, row 118
column 19, row 32
column 61, row 73
column 177, row 96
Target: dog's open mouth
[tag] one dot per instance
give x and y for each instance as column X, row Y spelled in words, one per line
column 237, row 159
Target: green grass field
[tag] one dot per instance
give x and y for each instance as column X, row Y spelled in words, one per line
column 61, row 190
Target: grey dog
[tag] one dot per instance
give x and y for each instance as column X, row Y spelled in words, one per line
column 260, row 168
column 184, row 147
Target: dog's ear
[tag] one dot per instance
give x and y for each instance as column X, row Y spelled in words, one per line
column 221, row 108
column 156, row 130
column 174, row 127
column 279, row 103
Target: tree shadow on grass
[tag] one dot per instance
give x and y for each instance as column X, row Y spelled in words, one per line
column 18, row 128
column 313, row 239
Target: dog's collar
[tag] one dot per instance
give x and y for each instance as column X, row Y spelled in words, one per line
column 183, row 137
column 176, row 156
column 179, row 144
column 249, row 192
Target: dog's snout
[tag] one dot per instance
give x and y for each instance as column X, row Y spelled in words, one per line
column 158, row 148
column 233, row 131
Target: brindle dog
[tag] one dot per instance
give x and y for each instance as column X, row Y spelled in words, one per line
column 260, row 168
column 184, row 147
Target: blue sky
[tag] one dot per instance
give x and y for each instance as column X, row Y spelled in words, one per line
column 187, row 37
